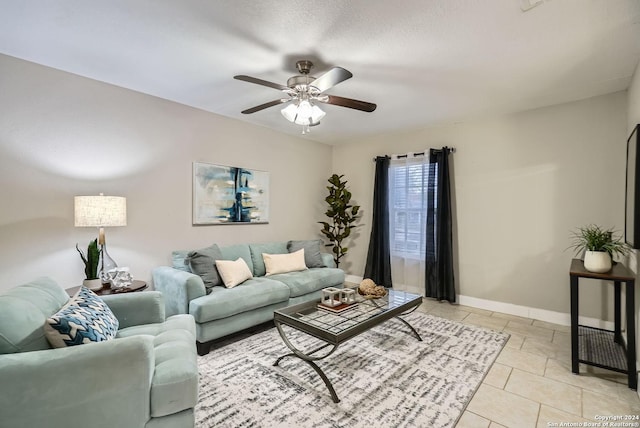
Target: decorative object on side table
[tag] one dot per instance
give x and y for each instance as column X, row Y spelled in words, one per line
column 369, row 290
column 599, row 245
column 119, row 278
column 342, row 215
column 101, row 211
column 90, row 260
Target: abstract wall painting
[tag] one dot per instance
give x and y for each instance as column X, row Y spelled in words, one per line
column 229, row 195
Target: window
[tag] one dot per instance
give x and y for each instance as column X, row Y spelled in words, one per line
column 408, row 180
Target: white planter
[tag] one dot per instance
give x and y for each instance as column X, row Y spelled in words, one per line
column 597, row 261
column 92, row 284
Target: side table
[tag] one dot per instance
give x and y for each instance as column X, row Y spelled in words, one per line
column 605, row 348
column 137, row 285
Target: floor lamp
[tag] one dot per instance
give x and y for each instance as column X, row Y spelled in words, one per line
column 101, row 211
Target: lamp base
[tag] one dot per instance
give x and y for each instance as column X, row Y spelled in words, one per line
column 105, row 264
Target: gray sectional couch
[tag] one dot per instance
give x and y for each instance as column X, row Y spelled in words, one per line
column 228, row 310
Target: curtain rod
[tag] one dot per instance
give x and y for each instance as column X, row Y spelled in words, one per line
column 450, row 149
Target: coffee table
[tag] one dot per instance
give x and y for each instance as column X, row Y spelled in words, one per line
column 336, row 328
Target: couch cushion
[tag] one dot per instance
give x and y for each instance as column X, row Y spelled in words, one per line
column 311, row 280
column 251, row 294
column 179, row 260
column 312, row 254
column 84, row 319
column 203, row 263
column 23, row 311
column 283, row 263
column 270, row 248
column 232, row 252
column 174, row 386
column 233, row 272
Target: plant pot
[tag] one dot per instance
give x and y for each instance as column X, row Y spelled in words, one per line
column 93, row 284
column 597, row 261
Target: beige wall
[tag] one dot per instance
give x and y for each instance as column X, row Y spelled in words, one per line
column 62, row 135
column 523, row 181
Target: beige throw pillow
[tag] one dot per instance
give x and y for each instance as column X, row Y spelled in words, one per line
column 283, row 263
column 233, row 272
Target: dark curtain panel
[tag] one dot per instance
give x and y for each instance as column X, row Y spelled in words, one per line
column 378, row 266
column 439, row 281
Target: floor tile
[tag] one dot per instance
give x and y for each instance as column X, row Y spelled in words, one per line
column 561, row 371
column 473, row 310
column 551, row 326
column 529, row 330
column 448, row 313
column 498, row 375
column 508, row 317
column 503, row 407
column 546, row 348
column 471, row 420
column 550, row 416
column 515, row 341
column 485, row 321
column 495, row 425
column 546, row 391
column 595, row 403
column 522, row 360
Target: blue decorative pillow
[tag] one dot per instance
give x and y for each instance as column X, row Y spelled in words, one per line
column 84, row 319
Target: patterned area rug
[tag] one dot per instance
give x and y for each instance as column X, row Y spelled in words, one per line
column 384, row 378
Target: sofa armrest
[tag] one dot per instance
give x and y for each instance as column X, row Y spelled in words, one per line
column 146, row 307
column 328, row 260
column 178, row 288
column 101, row 385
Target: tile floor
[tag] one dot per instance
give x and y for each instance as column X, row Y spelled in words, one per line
column 531, row 384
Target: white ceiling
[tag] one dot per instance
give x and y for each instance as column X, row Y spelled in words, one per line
column 423, row 62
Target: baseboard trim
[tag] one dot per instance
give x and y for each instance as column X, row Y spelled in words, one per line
column 554, row 317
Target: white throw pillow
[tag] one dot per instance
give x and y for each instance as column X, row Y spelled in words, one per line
column 283, row 263
column 233, row 272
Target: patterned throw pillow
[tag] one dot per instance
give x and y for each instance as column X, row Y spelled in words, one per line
column 84, row 319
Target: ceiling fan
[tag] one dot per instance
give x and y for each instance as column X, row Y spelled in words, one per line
column 304, row 91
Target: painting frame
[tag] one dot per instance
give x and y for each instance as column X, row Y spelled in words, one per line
column 226, row 195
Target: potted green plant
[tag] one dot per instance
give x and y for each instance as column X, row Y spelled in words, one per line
column 342, row 216
column 90, row 260
column 599, row 246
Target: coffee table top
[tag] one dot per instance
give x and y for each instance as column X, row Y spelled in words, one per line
column 338, row 327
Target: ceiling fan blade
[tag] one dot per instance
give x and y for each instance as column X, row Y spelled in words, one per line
column 331, row 78
column 262, row 82
column 264, row 106
column 348, row 102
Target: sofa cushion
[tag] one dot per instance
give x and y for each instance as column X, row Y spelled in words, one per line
column 23, row 311
column 232, row 252
column 175, row 380
column 311, row 280
column 312, row 254
column 225, row 302
column 233, row 272
column 203, row 263
column 84, row 319
column 270, row 248
column 179, row 260
column 283, row 263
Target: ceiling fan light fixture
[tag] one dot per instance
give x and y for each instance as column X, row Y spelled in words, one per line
column 304, row 113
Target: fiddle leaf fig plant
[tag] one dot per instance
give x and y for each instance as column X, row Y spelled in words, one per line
column 342, row 216
column 90, row 259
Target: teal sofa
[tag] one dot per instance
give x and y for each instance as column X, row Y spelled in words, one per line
column 145, row 377
column 229, row 310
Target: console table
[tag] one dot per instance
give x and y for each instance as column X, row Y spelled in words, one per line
column 605, row 348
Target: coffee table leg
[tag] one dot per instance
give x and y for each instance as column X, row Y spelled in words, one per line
column 309, row 360
column 411, row 327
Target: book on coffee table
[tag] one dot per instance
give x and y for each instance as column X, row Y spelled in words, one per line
column 337, row 309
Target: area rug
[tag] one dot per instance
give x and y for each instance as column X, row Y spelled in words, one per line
column 384, row 378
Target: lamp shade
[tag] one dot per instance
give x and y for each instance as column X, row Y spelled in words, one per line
column 100, row 211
